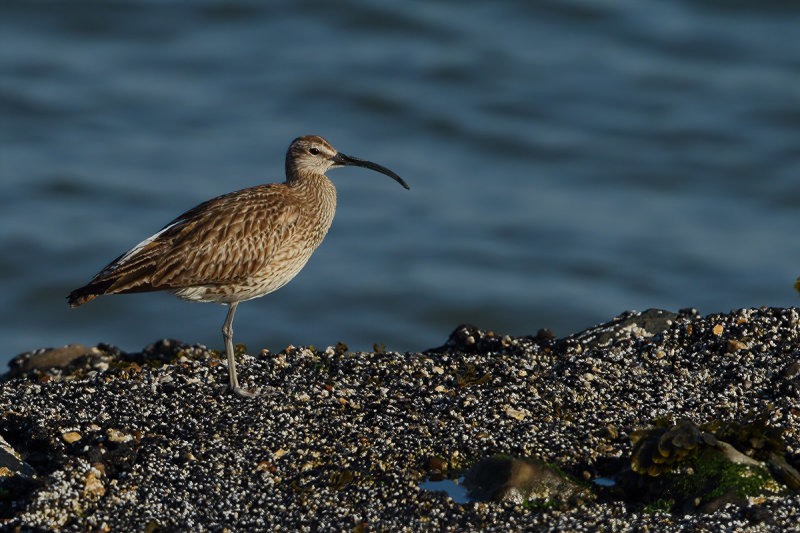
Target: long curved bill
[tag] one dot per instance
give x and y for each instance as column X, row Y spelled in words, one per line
column 341, row 159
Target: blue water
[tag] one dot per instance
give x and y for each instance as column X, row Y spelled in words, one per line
column 568, row 160
column 452, row 487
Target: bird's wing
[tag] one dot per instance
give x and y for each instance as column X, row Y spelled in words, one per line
column 229, row 242
column 223, row 240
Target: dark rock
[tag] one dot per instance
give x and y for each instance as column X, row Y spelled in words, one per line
column 792, row 371
column 50, row 358
column 164, row 350
column 789, row 382
column 437, row 463
column 11, row 464
column 468, row 338
column 110, row 349
column 730, row 496
column 782, row 471
column 505, row 478
column 759, row 515
column 17, row 479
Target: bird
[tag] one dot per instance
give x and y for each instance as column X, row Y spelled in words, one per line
column 238, row 246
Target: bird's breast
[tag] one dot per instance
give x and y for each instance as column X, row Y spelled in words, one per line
column 318, row 207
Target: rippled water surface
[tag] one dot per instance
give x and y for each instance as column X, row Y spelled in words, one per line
column 568, row 160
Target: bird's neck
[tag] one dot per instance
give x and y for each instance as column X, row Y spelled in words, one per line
column 303, row 180
column 314, row 186
column 315, row 191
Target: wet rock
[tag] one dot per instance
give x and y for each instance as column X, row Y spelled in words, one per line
column 49, row 358
column 505, row 478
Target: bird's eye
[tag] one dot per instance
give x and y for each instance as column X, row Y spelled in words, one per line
column 313, row 151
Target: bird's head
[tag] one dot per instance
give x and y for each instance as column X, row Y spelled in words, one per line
column 312, row 154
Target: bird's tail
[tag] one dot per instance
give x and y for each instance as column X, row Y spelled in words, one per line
column 85, row 294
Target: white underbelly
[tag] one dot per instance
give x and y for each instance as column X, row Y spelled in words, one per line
column 273, row 278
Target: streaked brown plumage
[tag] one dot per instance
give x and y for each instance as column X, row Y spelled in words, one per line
column 237, row 246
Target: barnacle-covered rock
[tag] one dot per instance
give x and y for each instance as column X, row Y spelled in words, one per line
column 468, row 338
column 342, row 441
column 631, row 324
column 38, row 361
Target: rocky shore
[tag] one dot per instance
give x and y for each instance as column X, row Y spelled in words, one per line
column 654, row 421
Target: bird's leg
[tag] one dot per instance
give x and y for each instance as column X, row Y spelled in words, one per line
column 227, row 334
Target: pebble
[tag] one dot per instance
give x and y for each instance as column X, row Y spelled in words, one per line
column 71, row 436
column 115, row 435
column 515, row 414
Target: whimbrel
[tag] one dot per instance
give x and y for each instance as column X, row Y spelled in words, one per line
column 238, row 246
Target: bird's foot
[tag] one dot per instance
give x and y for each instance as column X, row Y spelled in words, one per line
column 244, row 393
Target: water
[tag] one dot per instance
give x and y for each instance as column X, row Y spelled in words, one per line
column 604, row 482
column 456, row 491
column 568, row 160
column 452, row 487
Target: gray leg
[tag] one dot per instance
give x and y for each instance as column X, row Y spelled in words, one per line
column 227, row 334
